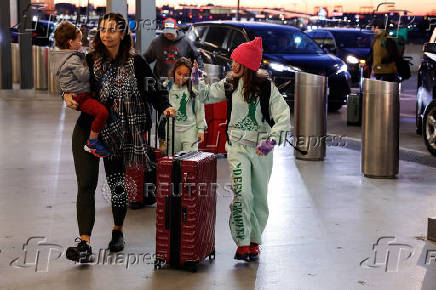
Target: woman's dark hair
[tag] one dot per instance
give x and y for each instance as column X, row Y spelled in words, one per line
column 63, row 33
column 179, row 62
column 126, row 45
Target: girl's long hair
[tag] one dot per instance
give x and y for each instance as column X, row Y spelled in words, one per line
column 172, row 74
column 251, row 87
column 126, row 45
column 181, row 61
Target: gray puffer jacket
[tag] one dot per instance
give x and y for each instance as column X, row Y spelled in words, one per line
column 71, row 70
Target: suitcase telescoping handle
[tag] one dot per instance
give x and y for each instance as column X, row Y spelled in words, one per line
column 173, row 130
column 155, row 132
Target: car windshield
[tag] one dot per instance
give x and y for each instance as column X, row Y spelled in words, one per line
column 353, row 39
column 283, row 40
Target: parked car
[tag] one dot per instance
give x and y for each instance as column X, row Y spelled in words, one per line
column 285, row 50
column 426, row 98
column 353, row 46
column 42, row 33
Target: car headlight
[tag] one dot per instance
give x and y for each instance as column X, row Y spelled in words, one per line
column 280, row 67
column 342, row 68
column 352, row 59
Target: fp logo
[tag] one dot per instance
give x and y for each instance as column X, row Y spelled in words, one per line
column 388, row 254
column 38, row 254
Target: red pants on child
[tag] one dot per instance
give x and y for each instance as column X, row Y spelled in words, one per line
column 94, row 108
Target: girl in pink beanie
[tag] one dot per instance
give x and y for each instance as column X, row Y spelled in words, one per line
column 258, row 115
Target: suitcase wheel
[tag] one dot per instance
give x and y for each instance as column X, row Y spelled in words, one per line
column 136, row 205
column 192, row 266
column 212, row 256
column 158, row 264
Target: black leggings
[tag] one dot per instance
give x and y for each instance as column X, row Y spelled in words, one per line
column 115, row 176
column 87, row 167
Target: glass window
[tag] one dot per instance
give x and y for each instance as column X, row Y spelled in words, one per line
column 353, row 39
column 196, row 33
column 283, row 40
column 237, row 38
column 216, row 36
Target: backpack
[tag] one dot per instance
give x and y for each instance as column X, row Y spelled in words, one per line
column 265, row 94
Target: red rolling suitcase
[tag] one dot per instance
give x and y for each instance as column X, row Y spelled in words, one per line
column 140, row 181
column 186, row 209
column 215, row 134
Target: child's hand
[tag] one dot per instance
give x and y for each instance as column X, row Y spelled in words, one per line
column 196, row 73
column 200, row 137
column 70, row 102
column 170, row 112
column 265, row 147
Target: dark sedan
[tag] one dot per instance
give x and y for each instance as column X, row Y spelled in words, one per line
column 351, row 45
column 285, row 50
column 426, row 98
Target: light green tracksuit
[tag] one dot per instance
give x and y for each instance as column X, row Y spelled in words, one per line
column 188, row 122
column 250, row 173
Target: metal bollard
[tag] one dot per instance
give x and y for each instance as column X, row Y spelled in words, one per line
column 310, row 116
column 53, row 88
column 380, row 129
column 40, row 67
column 16, row 70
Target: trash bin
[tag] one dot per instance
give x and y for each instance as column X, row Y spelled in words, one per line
column 380, row 129
column 16, row 71
column 310, row 116
column 40, row 67
column 52, row 80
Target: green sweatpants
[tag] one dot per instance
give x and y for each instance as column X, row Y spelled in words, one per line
column 250, row 175
column 184, row 140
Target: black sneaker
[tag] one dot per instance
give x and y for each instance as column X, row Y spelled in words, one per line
column 117, row 242
column 81, row 253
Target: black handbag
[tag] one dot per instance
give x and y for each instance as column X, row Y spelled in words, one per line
column 403, row 67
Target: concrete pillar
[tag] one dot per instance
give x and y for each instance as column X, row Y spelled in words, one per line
column 118, row 6
column 5, row 47
column 145, row 24
column 25, row 39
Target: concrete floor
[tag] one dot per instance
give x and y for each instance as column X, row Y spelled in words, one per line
column 325, row 219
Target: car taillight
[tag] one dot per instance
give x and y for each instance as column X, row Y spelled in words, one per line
column 34, row 34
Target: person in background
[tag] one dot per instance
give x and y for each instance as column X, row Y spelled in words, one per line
column 171, row 45
column 84, row 30
column 384, row 54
